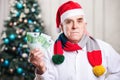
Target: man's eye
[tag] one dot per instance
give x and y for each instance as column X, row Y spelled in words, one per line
column 68, row 21
column 80, row 21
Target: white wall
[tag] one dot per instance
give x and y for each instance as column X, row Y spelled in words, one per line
column 4, row 9
column 103, row 18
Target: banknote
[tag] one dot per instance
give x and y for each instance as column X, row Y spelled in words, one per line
column 38, row 40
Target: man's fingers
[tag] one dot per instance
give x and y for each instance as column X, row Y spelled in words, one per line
column 37, row 55
column 34, row 51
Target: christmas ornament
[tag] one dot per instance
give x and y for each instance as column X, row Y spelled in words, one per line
column 30, row 21
column 6, row 40
column 12, row 36
column 33, row 9
column 17, row 31
column 39, row 16
column 35, row 5
column 20, row 45
column 19, row 5
column 36, row 30
column 20, row 20
column 11, row 70
column 19, row 36
column 11, row 24
column 19, row 70
column 15, row 23
column 25, row 21
column 13, row 48
column 21, row 31
column 6, row 63
column 23, row 74
column 24, row 55
column 17, row 14
column 34, row 22
column 25, row 39
column 26, row 10
column 24, row 5
column 6, row 49
column 1, row 60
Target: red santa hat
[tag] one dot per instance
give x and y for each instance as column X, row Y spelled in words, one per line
column 66, row 10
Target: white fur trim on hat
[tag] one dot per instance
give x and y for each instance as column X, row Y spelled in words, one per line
column 70, row 13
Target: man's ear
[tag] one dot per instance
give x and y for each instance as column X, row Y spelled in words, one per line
column 61, row 27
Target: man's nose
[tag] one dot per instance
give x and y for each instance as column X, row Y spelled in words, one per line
column 75, row 24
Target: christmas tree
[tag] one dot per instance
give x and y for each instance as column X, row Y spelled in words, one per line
column 24, row 17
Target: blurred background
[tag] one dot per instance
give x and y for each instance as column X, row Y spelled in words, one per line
column 19, row 16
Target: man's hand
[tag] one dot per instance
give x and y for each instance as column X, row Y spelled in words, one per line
column 36, row 58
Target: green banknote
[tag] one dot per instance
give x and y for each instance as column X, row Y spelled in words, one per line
column 38, row 40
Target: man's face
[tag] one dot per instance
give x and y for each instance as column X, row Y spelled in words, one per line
column 73, row 28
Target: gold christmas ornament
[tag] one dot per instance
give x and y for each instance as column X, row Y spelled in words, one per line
column 11, row 71
column 25, row 21
column 13, row 48
column 1, row 60
column 11, row 24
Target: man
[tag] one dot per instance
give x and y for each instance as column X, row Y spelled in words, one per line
column 75, row 55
